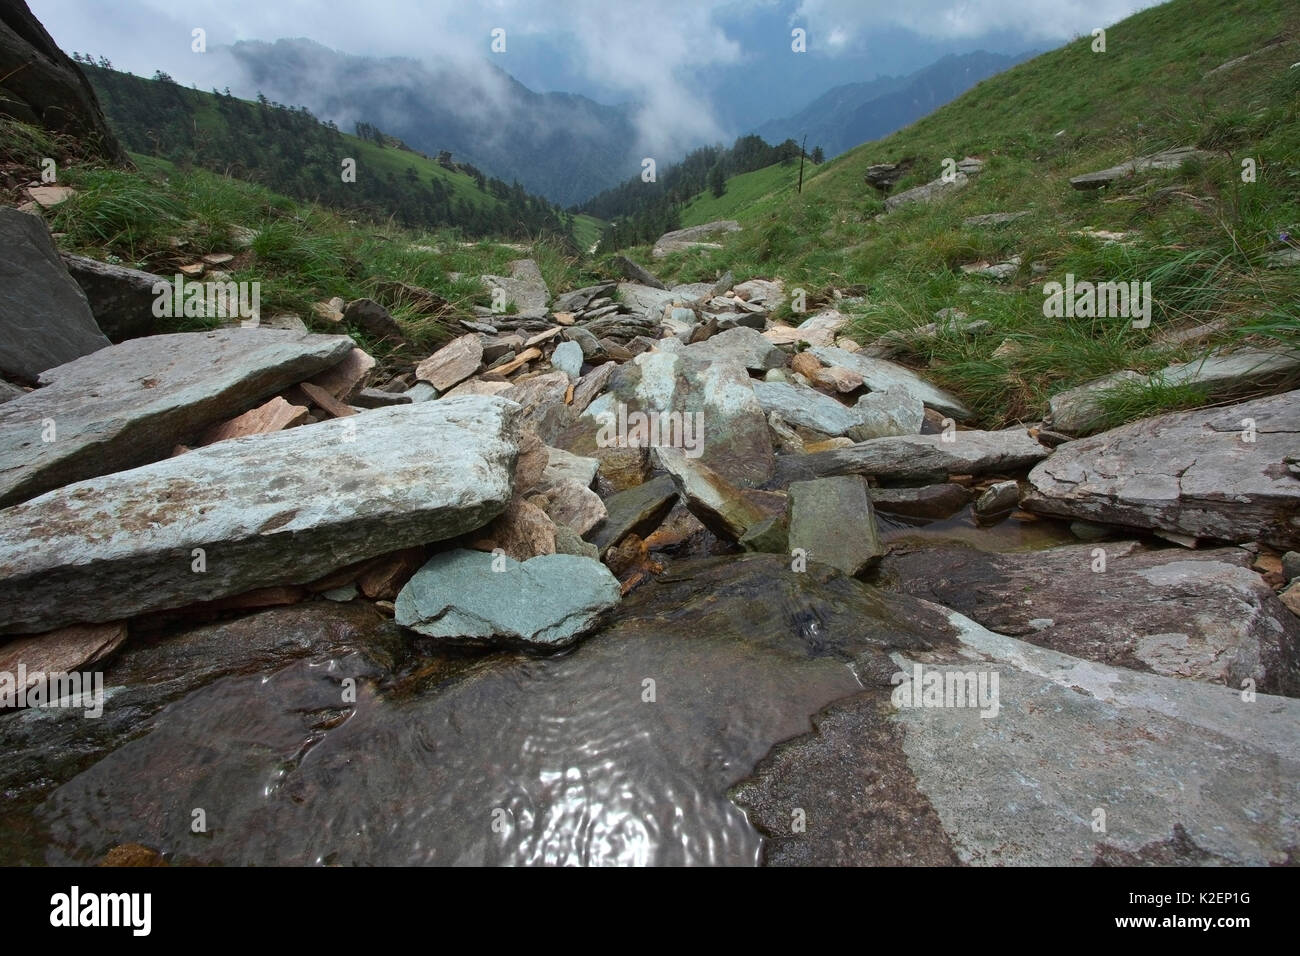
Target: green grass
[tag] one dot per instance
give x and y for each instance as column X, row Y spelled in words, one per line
column 744, row 192
column 1130, row 401
column 1198, row 234
column 158, row 217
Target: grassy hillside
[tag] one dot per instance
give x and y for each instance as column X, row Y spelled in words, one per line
column 1200, row 235
column 745, row 193
column 160, row 216
column 288, row 150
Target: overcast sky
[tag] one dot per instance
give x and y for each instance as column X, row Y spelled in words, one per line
column 648, row 51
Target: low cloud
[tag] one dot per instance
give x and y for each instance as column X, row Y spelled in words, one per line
column 1035, row 20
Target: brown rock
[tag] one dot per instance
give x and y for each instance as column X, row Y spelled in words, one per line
column 571, row 503
column 478, row 386
column 532, row 461
column 132, row 854
column 342, row 380
column 271, row 417
column 453, row 363
column 838, row 379
column 806, row 364
column 590, row 386
column 622, row 468
column 385, row 576
column 1291, row 598
column 631, row 563
column 63, row 651
column 326, row 401
column 541, row 337
column 520, row 360
column 564, row 318
column 522, row 531
column 827, row 445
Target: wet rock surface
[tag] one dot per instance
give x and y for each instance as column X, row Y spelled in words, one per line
column 1197, row 614
column 586, row 761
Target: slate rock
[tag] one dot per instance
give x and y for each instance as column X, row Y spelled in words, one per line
column 131, row 403
column 546, row 603
column 45, row 320
column 267, row 510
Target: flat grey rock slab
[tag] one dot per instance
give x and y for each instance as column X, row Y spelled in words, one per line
column 879, row 374
column 1217, row 473
column 1079, row 764
column 1198, row 615
column 832, row 521
column 130, row 404
column 637, row 510
column 741, row 346
column 274, row 509
column 1166, row 159
column 525, row 287
column 801, row 405
column 692, row 236
column 919, row 457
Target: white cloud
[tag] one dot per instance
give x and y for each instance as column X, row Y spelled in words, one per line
column 1035, row 20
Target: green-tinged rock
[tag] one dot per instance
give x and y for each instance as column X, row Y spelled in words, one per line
column 832, row 520
column 477, row 598
column 634, row 511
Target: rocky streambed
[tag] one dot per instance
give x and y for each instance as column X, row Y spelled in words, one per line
column 643, row 576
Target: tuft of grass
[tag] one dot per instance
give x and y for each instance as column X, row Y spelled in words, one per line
column 1131, row 401
column 119, row 211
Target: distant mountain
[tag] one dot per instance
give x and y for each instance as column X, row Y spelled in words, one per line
column 857, row 112
column 559, row 145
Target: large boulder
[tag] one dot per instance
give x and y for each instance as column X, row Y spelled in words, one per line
column 267, row 510
column 1217, row 473
column 45, row 320
column 1196, row 614
column 42, row 86
column 131, row 403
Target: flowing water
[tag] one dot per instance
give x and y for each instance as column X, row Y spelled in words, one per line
column 619, row 752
